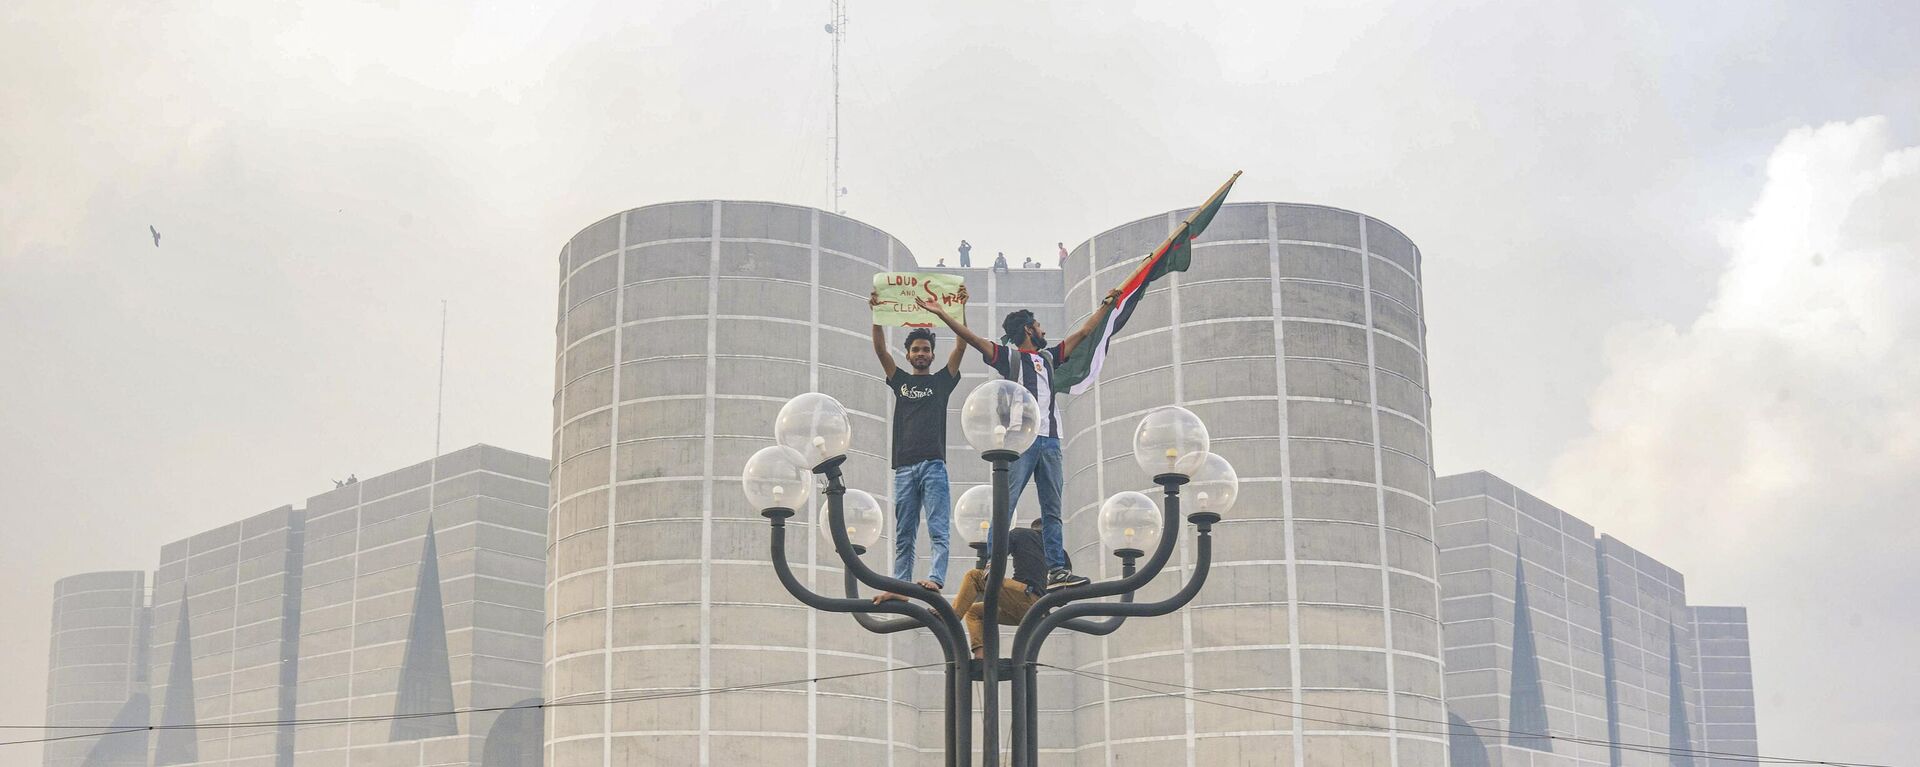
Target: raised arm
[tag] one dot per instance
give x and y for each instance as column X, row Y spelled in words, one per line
column 959, row 329
column 887, row 362
column 1093, row 320
column 959, row 349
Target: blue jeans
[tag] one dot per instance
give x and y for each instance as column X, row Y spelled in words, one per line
column 1042, row 460
column 915, row 486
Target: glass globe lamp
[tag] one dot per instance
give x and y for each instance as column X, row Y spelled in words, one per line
column 1171, row 440
column 1129, row 520
column 1000, row 415
column 861, row 514
column 774, row 478
column 973, row 514
column 814, row 426
column 1214, row 486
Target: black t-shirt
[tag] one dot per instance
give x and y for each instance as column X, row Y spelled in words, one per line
column 920, row 414
column 1028, row 555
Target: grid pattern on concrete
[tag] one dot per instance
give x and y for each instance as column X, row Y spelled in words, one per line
column 371, row 628
column 1648, row 646
column 97, row 667
column 1298, row 337
column 1727, row 723
column 683, row 329
column 226, row 612
column 1490, row 533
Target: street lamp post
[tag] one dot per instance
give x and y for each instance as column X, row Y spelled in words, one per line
column 1000, row 420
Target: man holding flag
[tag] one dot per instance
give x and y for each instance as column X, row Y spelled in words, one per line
column 1071, row 367
column 1077, row 374
column 1024, row 357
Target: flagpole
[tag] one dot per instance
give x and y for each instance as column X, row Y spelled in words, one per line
column 1147, row 260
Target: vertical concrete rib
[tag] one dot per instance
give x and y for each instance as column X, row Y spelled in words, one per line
column 1379, row 473
column 813, row 564
column 613, row 514
column 1299, row 740
column 1185, row 568
column 706, row 485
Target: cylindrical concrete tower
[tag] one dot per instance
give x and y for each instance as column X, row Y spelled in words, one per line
column 1297, row 336
column 683, row 329
column 97, row 669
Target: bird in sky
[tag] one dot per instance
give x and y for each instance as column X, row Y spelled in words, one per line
column 156, row 235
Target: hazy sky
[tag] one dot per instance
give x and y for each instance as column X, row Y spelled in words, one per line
column 1669, row 253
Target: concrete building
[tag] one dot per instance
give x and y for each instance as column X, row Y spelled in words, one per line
column 1298, row 337
column 97, row 669
column 1648, row 641
column 364, row 604
column 226, row 623
column 683, row 328
column 1551, row 630
column 1520, row 595
column 1728, row 727
column 422, row 593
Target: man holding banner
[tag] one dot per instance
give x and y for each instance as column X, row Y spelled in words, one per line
column 919, row 419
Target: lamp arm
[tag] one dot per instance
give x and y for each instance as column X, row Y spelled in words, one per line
column 1122, row 610
column 837, row 528
column 862, row 609
column 1170, row 532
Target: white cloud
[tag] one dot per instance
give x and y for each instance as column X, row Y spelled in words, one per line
column 1770, row 449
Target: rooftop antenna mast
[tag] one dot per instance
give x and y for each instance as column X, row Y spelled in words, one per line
column 836, row 26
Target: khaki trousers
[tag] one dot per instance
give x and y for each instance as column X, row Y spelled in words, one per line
column 1013, row 605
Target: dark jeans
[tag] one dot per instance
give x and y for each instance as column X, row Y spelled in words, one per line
column 1041, row 463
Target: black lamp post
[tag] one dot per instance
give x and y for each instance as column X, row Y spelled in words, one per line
column 1000, row 419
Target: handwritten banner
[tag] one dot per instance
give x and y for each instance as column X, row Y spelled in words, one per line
column 899, row 292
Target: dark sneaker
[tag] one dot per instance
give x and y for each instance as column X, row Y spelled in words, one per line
column 1061, row 578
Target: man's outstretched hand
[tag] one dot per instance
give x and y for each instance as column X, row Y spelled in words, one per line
column 932, row 306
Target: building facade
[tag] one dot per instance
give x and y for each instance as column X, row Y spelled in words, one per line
column 1648, row 641
column 1728, row 728
column 408, row 594
column 225, row 629
column 1567, row 647
column 97, row 669
column 683, row 329
column 1520, row 588
column 422, row 593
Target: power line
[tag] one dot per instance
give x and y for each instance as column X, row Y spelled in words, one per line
column 1641, row 748
column 1452, row 726
column 1133, row 683
column 319, row 721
